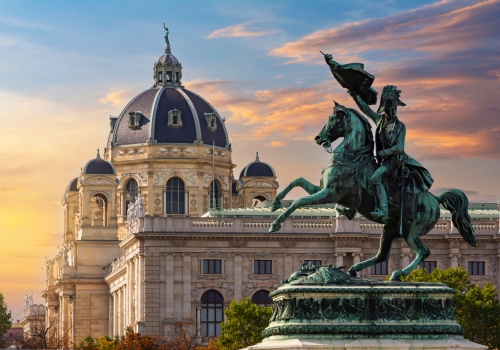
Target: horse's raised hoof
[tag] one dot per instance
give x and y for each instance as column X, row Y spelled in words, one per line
column 352, row 273
column 396, row 276
column 275, row 226
column 276, row 204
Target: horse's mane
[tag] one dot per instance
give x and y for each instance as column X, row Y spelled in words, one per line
column 368, row 128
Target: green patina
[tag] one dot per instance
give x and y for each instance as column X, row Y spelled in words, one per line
column 391, row 188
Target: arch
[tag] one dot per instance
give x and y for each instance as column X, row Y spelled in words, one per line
column 261, row 298
column 131, row 190
column 215, row 194
column 99, row 210
column 175, row 201
column 211, row 313
column 258, row 200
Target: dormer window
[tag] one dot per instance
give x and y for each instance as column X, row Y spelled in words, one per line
column 160, row 77
column 211, row 119
column 174, row 118
column 168, row 76
column 134, row 120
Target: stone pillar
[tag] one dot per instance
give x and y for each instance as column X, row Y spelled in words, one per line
column 186, row 286
column 356, row 258
column 288, row 268
column 128, row 292
column 339, row 259
column 110, row 315
column 119, row 312
column 123, row 207
column 133, row 289
column 140, row 289
column 115, row 314
column 237, row 277
column 169, row 286
column 64, row 318
column 454, row 260
column 136, row 289
column 405, row 260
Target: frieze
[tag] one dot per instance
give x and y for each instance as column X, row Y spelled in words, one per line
column 160, row 177
column 175, row 150
column 178, row 243
column 349, row 243
column 100, row 182
column 359, row 310
column 237, row 243
column 209, row 152
column 131, row 152
column 288, row 244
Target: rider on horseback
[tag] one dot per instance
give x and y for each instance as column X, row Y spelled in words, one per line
column 390, row 140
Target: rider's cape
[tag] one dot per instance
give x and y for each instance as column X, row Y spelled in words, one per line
column 419, row 179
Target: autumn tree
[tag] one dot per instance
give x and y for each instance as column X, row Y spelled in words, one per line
column 5, row 319
column 244, row 324
column 477, row 308
column 43, row 334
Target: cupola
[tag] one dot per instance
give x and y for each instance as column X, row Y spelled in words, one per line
column 167, row 70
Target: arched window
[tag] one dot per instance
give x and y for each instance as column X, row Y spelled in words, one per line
column 215, row 195
column 262, row 298
column 211, row 313
column 99, row 210
column 130, row 192
column 175, row 201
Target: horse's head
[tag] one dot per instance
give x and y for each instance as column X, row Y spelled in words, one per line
column 335, row 127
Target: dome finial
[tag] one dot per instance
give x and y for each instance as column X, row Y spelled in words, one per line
column 257, row 157
column 98, row 155
column 166, row 37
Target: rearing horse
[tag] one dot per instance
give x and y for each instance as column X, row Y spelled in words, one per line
column 346, row 180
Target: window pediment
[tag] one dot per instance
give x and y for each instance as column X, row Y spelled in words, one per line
column 211, row 119
column 134, row 120
column 174, row 118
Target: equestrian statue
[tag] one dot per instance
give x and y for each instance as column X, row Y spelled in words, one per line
column 391, row 188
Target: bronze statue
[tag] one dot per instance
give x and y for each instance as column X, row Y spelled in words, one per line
column 166, row 34
column 405, row 206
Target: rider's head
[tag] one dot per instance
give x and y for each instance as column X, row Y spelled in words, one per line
column 390, row 100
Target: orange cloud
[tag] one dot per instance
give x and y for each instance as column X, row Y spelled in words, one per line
column 239, row 30
column 116, row 97
column 276, row 144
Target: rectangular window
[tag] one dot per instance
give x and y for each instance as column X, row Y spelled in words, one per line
column 379, row 269
column 476, row 267
column 318, row 263
column 428, row 265
column 212, row 266
column 168, row 76
column 262, row 267
column 160, row 76
column 177, row 77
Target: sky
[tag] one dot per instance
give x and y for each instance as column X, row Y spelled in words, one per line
column 66, row 66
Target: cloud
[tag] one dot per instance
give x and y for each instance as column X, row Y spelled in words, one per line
column 9, row 189
column 473, row 196
column 116, row 97
column 23, row 24
column 239, row 30
column 276, row 144
column 495, row 73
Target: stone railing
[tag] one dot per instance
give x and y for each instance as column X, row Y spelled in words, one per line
column 292, row 225
column 117, row 263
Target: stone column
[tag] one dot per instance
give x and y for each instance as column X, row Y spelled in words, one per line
column 119, row 310
column 115, row 314
column 128, row 295
column 169, row 286
column 289, row 267
column 123, row 211
column 339, row 259
column 405, row 260
column 454, row 260
column 64, row 317
column 186, row 286
column 140, row 281
column 356, row 258
column 237, row 277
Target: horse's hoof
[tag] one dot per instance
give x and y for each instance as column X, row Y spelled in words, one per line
column 395, row 277
column 352, row 273
column 276, row 204
column 275, row 226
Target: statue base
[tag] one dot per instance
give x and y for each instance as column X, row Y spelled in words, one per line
column 363, row 314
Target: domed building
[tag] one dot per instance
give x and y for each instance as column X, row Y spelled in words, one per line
column 157, row 230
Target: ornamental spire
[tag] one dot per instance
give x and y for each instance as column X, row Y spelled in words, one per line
column 257, row 157
column 98, row 155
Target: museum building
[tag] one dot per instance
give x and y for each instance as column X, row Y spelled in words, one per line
column 158, row 230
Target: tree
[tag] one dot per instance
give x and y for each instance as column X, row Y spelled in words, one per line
column 244, row 324
column 43, row 334
column 477, row 308
column 5, row 319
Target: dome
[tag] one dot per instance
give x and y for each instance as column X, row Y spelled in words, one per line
column 72, row 185
column 234, row 184
column 196, row 120
column 99, row 166
column 167, row 59
column 258, row 168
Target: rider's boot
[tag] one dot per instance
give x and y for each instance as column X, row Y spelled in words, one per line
column 382, row 211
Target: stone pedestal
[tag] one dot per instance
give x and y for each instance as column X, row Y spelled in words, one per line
column 375, row 315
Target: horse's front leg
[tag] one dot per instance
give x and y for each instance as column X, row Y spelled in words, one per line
column 415, row 243
column 326, row 195
column 301, row 182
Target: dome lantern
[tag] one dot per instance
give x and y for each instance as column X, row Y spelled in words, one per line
column 168, row 69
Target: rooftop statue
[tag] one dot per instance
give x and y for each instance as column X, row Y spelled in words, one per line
column 391, row 188
column 166, row 34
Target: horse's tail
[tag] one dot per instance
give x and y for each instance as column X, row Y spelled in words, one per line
column 457, row 203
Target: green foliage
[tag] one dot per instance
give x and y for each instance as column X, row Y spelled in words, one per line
column 244, row 324
column 5, row 316
column 477, row 308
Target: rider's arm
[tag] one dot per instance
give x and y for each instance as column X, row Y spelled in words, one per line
column 399, row 147
column 364, row 106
